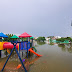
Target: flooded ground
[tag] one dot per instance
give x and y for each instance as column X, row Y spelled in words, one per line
column 56, row 58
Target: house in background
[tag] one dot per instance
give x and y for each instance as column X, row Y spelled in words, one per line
column 35, row 38
column 47, row 39
column 56, row 37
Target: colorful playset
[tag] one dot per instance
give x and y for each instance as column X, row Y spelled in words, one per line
column 17, row 45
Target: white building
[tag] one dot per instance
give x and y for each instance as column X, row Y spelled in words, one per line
column 47, row 39
column 57, row 37
column 35, row 37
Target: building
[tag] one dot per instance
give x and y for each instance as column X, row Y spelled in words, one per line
column 56, row 37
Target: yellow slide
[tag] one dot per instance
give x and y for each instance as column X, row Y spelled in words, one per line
column 1, row 45
column 8, row 51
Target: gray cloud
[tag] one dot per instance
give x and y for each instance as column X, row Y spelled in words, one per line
column 36, row 17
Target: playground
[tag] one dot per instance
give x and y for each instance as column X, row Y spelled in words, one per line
column 18, row 50
column 32, row 56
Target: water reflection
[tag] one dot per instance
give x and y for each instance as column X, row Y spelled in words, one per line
column 69, row 47
column 66, row 47
column 51, row 43
column 69, row 50
column 30, row 63
column 55, row 58
column 62, row 47
column 41, row 43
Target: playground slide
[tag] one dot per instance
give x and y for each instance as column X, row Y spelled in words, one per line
column 35, row 49
column 1, row 45
column 34, row 52
column 8, row 51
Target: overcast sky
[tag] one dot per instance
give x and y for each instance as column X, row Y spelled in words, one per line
column 36, row 17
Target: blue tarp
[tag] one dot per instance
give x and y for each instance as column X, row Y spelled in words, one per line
column 3, row 35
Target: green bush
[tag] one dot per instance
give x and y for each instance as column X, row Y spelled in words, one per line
column 9, row 37
column 41, row 39
column 63, row 39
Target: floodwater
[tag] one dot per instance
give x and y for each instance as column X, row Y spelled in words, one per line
column 55, row 58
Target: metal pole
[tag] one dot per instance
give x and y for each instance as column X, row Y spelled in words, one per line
column 0, row 53
column 18, row 56
column 32, row 42
column 6, row 52
column 29, row 39
column 19, row 47
column 27, row 49
column 22, row 39
column 7, row 60
column 20, row 59
column 22, row 53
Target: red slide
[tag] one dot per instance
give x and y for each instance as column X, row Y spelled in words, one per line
column 34, row 52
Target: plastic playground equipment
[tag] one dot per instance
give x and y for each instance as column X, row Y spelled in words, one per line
column 17, row 45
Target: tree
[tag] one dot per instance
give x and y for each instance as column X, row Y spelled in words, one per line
column 69, row 38
column 41, row 39
column 41, row 43
column 50, row 37
column 9, row 37
column 63, row 39
column 60, row 39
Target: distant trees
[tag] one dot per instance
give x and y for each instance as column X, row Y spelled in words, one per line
column 9, row 37
column 63, row 39
column 50, row 37
column 41, row 43
column 41, row 39
column 69, row 38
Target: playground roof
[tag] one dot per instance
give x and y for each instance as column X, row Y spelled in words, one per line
column 31, row 37
column 2, row 39
column 3, row 35
column 25, row 35
column 14, row 36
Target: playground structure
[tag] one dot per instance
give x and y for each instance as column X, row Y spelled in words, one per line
column 18, row 45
